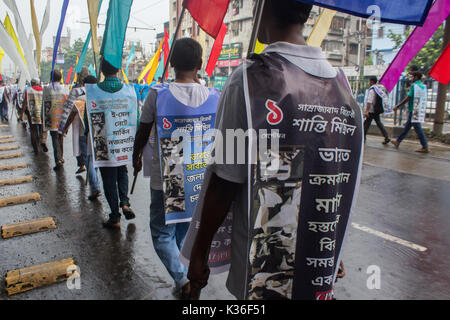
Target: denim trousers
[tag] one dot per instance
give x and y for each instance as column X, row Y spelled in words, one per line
column 115, row 187
column 92, row 172
column 417, row 127
column 168, row 239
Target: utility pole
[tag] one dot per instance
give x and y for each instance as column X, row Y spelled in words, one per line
column 438, row 126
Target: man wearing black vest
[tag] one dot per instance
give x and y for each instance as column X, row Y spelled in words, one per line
column 290, row 214
column 374, row 108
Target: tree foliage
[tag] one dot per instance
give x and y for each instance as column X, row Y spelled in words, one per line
column 428, row 55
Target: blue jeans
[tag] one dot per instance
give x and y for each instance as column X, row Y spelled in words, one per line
column 92, row 173
column 168, row 239
column 417, row 127
column 115, row 180
column 4, row 108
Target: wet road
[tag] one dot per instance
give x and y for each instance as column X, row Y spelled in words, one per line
column 403, row 205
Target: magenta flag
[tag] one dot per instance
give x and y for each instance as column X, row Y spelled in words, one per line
column 415, row 42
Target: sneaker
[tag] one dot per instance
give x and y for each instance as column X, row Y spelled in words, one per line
column 423, row 150
column 386, row 141
column 395, row 143
column 111, row 225
column 81, row 169
column 44, row 147
column 94, row 195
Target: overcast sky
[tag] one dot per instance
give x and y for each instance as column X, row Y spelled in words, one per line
column 144, row 13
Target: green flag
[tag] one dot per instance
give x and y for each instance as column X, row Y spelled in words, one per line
column 115, row 30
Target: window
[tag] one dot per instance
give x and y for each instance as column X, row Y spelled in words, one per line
column 381, row 32
column 353, row 48
column 337, row 24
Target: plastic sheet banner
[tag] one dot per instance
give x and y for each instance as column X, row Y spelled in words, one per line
column 54, row 98
column 303, row 184
column 112, row 121
column 398, row 11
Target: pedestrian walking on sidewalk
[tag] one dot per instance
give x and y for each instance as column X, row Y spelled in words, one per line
column 375, row 108
column 417, row 103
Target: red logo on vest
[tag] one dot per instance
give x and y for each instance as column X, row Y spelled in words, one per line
column 93, row 104
column 275, row 116
column 167, row 125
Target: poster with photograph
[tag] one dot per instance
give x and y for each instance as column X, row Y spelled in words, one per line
column 185, row 142
column 302, row 189
column 112, row 121
column 419, row 104
column 34, row 100
column 54, row 96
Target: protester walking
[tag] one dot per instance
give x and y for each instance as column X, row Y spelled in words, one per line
column 165, row 107
column 114, row 174
column 377, row 95
column 32, row 108
column 4, row 101
column 284, row 210
column 417, row 104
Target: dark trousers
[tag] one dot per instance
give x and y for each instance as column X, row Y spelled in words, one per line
column 58, row 143
column 115, row 187
column 368, row 122
column 418, row 128
column 37, row 134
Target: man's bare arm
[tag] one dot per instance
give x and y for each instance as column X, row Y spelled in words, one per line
column 141, row 139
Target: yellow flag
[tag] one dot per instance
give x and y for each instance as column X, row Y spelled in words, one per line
column 259, row 47
column 2, row 53
column 75, row 76
column 62, row 76
column 93, row 16
column 146, row 69
column 152, row 72
column 37, row 35
column 10, row 29
column 125, row 77
column 320, row 29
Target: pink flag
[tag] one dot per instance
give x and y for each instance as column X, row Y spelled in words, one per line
column 418, row 38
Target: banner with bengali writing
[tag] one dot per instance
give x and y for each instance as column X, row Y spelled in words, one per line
column 112, row 121
column 54, row 95
column 302, row 194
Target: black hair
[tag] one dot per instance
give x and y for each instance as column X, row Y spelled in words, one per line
column 90, row 79
column 417, row 75
column 373, row 79
column 107, row 68
column 289, row 12
column 56, row 76
column 413, row 68
column 187, row 55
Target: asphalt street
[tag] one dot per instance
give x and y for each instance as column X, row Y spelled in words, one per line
column 400, row 228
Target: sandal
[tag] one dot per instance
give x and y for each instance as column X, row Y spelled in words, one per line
column 128, row 213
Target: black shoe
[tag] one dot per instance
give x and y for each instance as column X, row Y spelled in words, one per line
column 44, row 147
column 386, row 141
column 111, row 225
column 58, row 166
column 128, row 213
column 81, row 169
column 94, row 195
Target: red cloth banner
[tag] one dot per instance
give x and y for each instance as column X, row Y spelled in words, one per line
column 215, row 52
column 209, row 14
column 441, row 69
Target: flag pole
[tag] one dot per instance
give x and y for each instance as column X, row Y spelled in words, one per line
column 256, row 23
column 166, row 67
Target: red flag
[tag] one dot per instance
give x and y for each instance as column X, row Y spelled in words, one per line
column 441, row 69
column 216, row 49
column 209, row 14
column 166, row 49
column 68, row 75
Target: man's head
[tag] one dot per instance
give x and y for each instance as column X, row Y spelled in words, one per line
column 413, row 69
column 2, row 83
column 416, row 76
column 37, row 81
column 281, row 16
column 187, row 56
column 55, row 75
column 373, row 81
column 90, row 79
column 83, row 74
column 107, row 68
